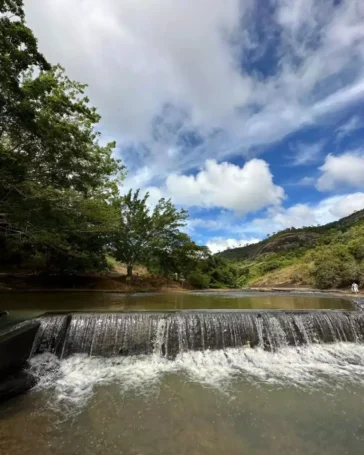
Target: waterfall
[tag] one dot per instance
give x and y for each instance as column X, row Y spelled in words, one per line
column 167, row 334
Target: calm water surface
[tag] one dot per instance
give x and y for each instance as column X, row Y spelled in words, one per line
column 26, row 305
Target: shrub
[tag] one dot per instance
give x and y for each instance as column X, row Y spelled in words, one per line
column 327, row 274
column 270, row 266
column 356, row 248
column 199, row 280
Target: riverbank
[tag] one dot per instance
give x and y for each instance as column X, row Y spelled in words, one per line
column 293, row 290
column 89, row 283
column 118, row 283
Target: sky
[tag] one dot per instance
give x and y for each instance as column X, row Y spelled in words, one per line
column 248, row 113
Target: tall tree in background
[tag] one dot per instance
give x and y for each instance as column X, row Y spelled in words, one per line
column 179, row 255
column 143, row 232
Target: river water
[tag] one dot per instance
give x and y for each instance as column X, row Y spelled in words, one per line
column 26, row 305
column 296, row 400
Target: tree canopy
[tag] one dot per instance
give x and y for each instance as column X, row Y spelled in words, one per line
column 56, row 180
column 143, row 233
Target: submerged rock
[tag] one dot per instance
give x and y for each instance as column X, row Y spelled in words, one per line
column 16, row 384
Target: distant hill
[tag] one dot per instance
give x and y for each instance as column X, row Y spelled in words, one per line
column 325, row 256
column 291, row 238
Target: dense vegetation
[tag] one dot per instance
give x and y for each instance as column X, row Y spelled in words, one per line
column 327, row 256
column 61, row 210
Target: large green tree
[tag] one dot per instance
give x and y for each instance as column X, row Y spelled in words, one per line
column 179, row 254
column 143, row 233
column 56, row 181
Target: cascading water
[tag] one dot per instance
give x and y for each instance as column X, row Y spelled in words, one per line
column 136, row 375
column 168, row 334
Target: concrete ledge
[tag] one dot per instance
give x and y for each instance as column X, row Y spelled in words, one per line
column 359, row 304
column 15, row 346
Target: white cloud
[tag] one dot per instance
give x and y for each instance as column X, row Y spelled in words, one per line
column 218, row 244
column 306, row 181
column 188, row 64
column 225, row 185
column 299, row 215
column 279, row 218
column 305, row 154
column 139, row 55
column 339, row 206
column 343, row 170
column 353, row 124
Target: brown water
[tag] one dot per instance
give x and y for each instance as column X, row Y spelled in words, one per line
column 298, row 400
column 26, row 305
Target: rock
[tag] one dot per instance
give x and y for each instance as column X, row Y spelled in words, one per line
column 16, row 384
column 3, row 314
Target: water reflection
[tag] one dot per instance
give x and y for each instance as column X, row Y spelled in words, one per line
column 177, row 301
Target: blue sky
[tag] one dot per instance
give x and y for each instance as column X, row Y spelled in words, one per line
column 248, row 113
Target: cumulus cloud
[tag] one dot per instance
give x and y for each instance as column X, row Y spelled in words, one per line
column 344, row 170
column 218, row 244
column 164, row 72
column 225, row 185
column 339, row 206
column 232, row 234
column 299, row 215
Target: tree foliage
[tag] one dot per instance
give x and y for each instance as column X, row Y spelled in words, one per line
column 56, row 180
column 143, row 233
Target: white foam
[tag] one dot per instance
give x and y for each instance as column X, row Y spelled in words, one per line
column 74, row 379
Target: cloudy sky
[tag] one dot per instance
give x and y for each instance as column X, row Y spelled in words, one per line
column 248, row 113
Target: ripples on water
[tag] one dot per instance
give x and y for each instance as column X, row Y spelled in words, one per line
column 73, row 380
column 307, row 400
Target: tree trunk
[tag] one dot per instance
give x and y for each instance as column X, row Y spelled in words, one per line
column 129, row 269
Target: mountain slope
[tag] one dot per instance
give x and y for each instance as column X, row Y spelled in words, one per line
column 291, row 238
column 323, row 256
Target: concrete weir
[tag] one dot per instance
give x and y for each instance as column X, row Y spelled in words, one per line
column 165, row 334
column 168, row 334
column 15, row 349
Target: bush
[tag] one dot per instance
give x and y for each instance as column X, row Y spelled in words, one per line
column 327, row 274
column 224, row 276
column 356, row 248
column 270, row 266
column 199, row 280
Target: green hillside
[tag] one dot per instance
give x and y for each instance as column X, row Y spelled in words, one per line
column 322, row 256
